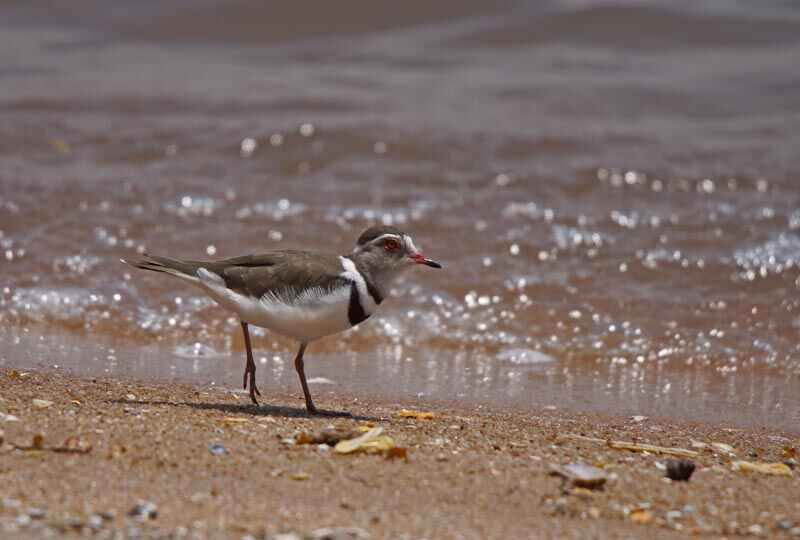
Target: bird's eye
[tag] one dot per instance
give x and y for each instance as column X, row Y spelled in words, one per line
column 391, row 244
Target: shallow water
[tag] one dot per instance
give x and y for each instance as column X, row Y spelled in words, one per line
column 611, row 188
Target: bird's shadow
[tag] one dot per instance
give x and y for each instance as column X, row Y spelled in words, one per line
column 253, row 410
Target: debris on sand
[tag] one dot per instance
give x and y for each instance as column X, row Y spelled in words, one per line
column 680, row 469
column 635, row 447
column 219, row 449
column 329, row 436
column 419, row 415
column 581, row 475
column 371, row 442
column 143, row 510
column 761, row 467
column 641, row 516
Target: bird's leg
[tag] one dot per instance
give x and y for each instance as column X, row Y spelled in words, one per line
column 300, row 367
column 250, row 368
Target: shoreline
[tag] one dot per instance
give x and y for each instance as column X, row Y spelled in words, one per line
column 748, row 401
column 212, row 465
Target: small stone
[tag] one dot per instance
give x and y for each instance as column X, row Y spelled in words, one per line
column 42, row 403
column 755, row 529
column 130, row 397
column 638, row 418
column 95, row 522
column 219, row 449
column 286, row 536
column 143, row 511
column 347, row 533
column 680, row 469
column 36, row 513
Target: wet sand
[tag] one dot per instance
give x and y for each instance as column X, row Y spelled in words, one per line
column 471, row 472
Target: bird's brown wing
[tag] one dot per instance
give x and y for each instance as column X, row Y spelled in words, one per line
column 282, row 273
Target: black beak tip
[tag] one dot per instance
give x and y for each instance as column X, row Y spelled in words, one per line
column 433, row 264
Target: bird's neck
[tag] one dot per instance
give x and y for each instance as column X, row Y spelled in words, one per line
column 379, row 280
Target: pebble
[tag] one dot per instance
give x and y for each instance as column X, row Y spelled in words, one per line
column 36, row 513
column 219, row 449
column 346, row 533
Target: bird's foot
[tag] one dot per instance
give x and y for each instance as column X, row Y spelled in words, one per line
column 250, row 375
column 321, row 412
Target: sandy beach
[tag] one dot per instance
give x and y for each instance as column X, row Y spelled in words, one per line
column 154, row 459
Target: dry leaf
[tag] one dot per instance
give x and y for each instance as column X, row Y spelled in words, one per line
column 301, row 476
column 235, row 420
column 765, row 468
column 633, row 447
column 371, row 442
column 419, row 415
column 723, row 448
column 14, row 374
column 641, row 516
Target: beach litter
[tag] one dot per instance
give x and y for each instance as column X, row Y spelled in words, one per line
column 580, row 475
column 371, row 442
column 680, row 469
column 762, row 467
column 419, row 415
column 635, row 447
column 301, row 476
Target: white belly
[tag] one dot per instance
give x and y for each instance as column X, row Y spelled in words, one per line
column 312, row 315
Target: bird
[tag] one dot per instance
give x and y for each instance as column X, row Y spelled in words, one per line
column 301, row 295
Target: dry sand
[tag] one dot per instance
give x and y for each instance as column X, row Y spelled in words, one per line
column 470, row 473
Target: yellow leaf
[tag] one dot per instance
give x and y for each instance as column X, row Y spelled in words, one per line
column 301, row 476
column 766, row 468
column 641, row 516
column 419, row 415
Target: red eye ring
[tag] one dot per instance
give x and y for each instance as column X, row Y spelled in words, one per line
column 391, row 244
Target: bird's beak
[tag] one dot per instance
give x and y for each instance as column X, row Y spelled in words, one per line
column 419, row 258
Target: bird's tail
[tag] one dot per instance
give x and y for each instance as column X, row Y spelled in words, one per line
column 175, row 267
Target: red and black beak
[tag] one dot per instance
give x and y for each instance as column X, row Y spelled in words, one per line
column 419, row 258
